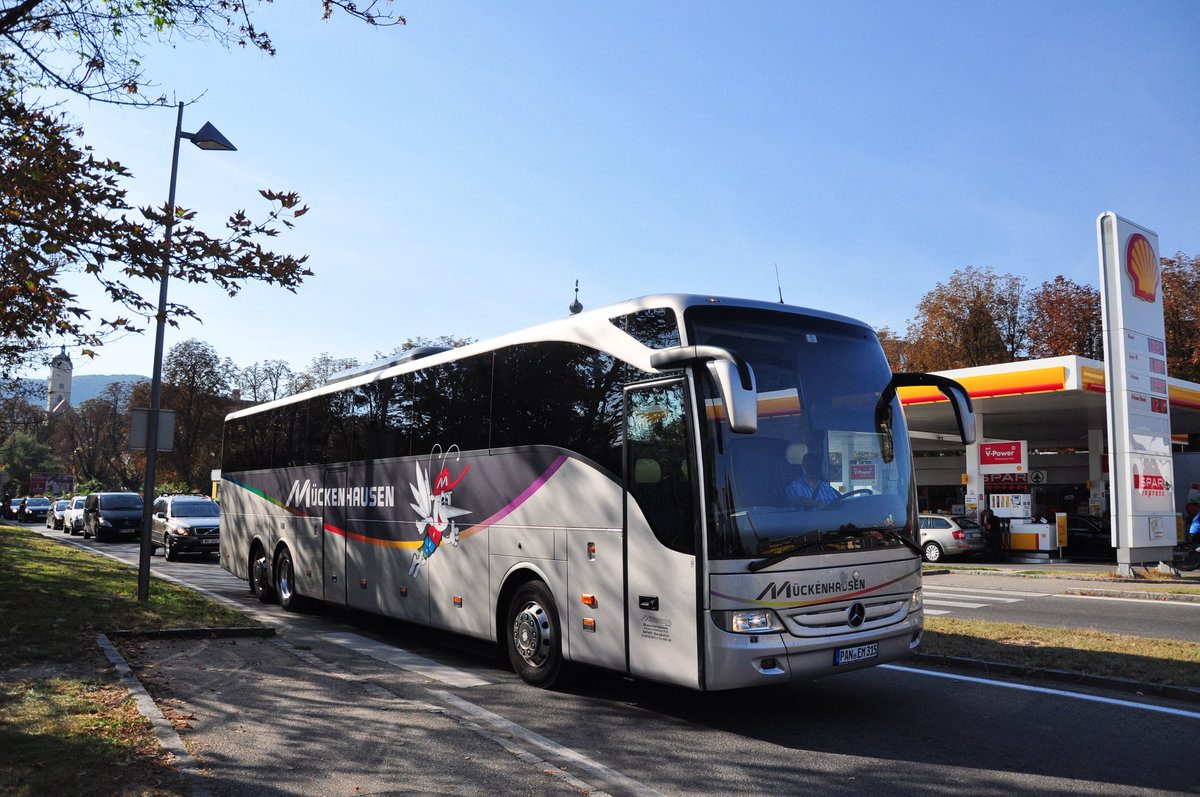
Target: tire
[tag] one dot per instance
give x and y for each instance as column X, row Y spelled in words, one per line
column 1190, row 561
column 285, row 582
column 533, row 635
column 169, row 551
column 931, row 552
column 260, row 575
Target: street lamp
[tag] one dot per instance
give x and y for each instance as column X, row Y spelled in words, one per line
column 207, row 137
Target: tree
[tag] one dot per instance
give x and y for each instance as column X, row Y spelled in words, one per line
column 94, row 48
column 18, row 410
column 1181, row 315
column 1065, row 319
column 22, row 454
column 322, row 367
column 975, row 318
column 64, row 209
column 94, row 439
column 264, row 381
column 196, row 386
column 895, row 348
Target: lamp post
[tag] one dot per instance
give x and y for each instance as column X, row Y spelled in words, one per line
column 207, row 137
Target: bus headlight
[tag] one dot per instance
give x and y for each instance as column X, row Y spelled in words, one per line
column 747, row 621
column 916, row 602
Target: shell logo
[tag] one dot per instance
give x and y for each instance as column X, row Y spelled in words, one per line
column 1142, row 267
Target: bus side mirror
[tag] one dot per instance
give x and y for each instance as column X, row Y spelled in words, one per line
column 960, row 400
column 741, row 405
column 733, row 375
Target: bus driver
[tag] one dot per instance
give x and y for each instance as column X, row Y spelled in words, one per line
column 810, row 491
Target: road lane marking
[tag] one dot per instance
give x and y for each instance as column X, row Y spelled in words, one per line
column 1156, row 601
column 1045, row 690
column 405, row 660
column 554, row 748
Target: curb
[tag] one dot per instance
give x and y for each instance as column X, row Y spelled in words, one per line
column 1135, row 594
column 1082, row 576
column 1183, row 693
column 164, row 731
column 196, row 633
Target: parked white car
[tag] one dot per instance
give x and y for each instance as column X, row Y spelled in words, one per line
column 73, row 517
column 950, row 535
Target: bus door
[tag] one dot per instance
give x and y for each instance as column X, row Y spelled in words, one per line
column 334, row 537
column 661, row 603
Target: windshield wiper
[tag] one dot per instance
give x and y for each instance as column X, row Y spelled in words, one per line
column 786, row 553
column 890, row 534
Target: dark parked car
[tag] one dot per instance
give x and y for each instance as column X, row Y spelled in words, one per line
column 35, row 509
column 54, row 518
column 108, row 515
column 185, row 524
column 1088, row 537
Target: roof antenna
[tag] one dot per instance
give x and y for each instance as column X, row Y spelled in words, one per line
column 576, row 307
column 777, row 285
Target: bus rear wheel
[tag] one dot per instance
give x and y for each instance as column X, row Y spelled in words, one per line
column 532, row 635
column 285, row 582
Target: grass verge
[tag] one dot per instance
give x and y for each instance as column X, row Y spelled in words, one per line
column 66, row 725
column 1156, row 661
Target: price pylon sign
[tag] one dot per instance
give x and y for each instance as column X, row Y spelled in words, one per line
column 1135, row 365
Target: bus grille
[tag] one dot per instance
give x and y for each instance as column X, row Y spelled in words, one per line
column 833, row 619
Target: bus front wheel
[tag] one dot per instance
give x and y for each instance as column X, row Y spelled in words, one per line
column 532, row 635
column 260, row 575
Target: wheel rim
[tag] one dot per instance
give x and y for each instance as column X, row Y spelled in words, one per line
column 285, row 580
column 260, row 573
column 932, row 553
column 533, row 635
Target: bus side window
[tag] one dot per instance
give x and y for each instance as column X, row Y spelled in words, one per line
column 657, row 469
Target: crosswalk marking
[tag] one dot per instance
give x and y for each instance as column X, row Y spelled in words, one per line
column 957, row 604
column 941, row 600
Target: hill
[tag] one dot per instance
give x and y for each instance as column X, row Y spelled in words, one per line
column 82, row 387
column 91, row 386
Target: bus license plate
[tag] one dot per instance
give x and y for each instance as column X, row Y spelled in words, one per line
column 852, row 655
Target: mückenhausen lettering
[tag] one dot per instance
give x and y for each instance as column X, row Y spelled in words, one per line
column 307, row 494
column 795, row 589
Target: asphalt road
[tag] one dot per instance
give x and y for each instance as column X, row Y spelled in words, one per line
column 1059, row 603
column 344, row 700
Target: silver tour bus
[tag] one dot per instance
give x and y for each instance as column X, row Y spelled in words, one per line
column 708, row 492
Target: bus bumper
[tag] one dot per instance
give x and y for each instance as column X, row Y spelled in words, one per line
column 740, row 660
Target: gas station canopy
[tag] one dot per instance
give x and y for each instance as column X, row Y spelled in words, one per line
column 1051, row 403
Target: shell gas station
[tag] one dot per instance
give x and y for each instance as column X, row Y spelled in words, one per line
column 1050, row 433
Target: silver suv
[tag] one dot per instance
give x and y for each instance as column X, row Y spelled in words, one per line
column 185, row 524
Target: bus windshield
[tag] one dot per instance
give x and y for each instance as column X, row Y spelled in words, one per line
column 827, row 470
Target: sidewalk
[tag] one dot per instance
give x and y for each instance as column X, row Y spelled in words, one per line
column 265, row 718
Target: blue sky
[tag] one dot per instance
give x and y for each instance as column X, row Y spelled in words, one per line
column 463, row 171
